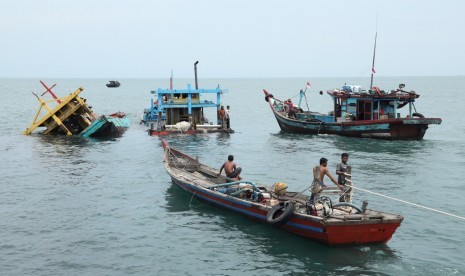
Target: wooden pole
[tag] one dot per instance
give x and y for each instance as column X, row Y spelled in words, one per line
column 373, row 64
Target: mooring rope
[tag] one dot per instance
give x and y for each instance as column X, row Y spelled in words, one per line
column 414, row 204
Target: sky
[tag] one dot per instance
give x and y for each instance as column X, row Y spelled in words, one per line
column 230, row 39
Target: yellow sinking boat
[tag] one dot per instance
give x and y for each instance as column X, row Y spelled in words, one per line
column 69, row 115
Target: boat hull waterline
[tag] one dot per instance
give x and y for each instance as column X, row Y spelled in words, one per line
column 361, row 229
column 411, row 128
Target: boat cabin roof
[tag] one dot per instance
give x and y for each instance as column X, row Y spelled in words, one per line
column 374, row 93
column 187, row 98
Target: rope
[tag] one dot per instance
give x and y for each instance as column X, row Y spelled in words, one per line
column 190, row 203
column 177, row 161
column 414, row 204
column 319, row 127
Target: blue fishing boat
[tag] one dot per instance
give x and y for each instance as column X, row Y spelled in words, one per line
column 151, row 113
column 182, row 110
column 113, row 125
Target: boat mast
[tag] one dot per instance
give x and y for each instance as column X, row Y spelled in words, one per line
column 373, row 64
column 195, row 72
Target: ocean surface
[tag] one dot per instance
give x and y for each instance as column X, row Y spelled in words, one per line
column 73, row 206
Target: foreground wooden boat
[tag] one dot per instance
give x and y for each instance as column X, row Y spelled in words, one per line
column 321, row 221
column 357, row 113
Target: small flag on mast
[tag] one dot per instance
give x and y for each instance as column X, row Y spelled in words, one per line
column 308, row 84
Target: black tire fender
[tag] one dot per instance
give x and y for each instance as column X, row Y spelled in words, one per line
column 419, row 115
column 287, row 211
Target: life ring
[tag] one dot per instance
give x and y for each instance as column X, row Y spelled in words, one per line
column 418, row 115
column 268, row 96
column 278, row 220
column 359, row 211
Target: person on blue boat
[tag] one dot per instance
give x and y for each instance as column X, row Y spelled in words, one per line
column 222, row 114
column 230, row 169
column 226, row 116
column 291, row 112
column 324, row 171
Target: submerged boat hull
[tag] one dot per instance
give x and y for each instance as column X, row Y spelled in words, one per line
column 372, row 227
column 107, row 126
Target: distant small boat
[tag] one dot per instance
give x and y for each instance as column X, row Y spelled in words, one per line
column 113, row 125
column 113, row 83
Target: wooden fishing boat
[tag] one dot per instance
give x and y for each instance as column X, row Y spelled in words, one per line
column 113, row 125
column 320, row 220
column 181, row 111
column 371, row 113
column 113, row 83
column 357, row 113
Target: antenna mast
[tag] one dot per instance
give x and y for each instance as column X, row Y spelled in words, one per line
column 373, row 64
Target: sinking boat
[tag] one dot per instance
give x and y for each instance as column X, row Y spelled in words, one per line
column 113, row 125
column 181, row 111
column 319, row 219
column 113, row 83
column 71, row 115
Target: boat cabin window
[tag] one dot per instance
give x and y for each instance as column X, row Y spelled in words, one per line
column 343, row 106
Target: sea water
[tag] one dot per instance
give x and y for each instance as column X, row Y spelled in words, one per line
column 73, row 206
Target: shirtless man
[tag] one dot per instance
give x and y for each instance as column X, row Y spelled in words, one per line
column 230, row 169
column 324, row 171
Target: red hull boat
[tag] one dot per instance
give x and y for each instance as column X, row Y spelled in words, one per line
column 321, row 221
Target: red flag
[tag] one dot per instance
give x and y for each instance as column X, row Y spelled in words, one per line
column 308, row 84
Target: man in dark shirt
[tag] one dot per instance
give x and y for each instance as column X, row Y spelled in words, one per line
column 341, row 169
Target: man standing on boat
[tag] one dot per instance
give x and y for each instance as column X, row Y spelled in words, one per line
column 291, row 109
column 226, row 116
column 341, row 169
column 222, row 114
column 324, row 171
column 230, row 169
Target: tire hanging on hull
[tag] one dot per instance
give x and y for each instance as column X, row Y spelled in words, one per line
column 287, row 211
